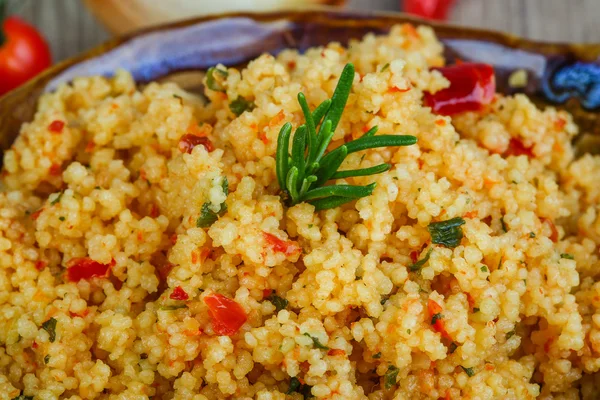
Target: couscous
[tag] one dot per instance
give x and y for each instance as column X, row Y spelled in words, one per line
column 147, row 249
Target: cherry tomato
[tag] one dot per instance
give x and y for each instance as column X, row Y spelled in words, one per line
column 23, row 53
column 281, row 246
column 432, row 9
column 227, row 315
column 86, row 268
column 471, row 87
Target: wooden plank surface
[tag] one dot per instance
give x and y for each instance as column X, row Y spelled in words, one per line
column 71, row 29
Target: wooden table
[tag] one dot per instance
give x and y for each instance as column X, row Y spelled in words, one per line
column 70, row 28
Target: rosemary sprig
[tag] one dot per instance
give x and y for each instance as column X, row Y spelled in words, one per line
column 302, row 174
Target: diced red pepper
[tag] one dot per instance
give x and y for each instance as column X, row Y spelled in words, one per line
column 336, row 352
column 438, row 325
column 432, row 9
column 86, row 268
column 188, row 142
column 414, row 256
column 472, row 86
column 179, row 294
column 553, row 230
column 267, row 293
column 287, row 247
column 55, row 170
column 40, row 265
column 56, row 126
column 517, row 148
column 164, row 270
column 226, row 314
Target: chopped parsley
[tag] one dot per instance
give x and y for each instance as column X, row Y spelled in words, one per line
column 207, row 215
column 239, row 105
column 503, row 224
column 297, row 387
column 61, row 218
column 567, row 256
column 23, row 397
column 215, row 78
column 475, row 309
column 279, row 302
column 47, row 359
column 316, row 342
column 436, row 318
column 171, row 308
column 419, row 264
column 177, row 96
column 452, row 348
column 468, row 371
column 56, row 199
column 484, row 268
column 531, row 235
column 447, row 233
column 50, row 327
column 386, row 66
column 510, row 334
column 390, row 376
column 377, row 356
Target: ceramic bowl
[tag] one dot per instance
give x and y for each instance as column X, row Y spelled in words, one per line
column 564, row 75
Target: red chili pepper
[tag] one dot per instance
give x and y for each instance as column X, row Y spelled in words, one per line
column 336, row 352
column 517, row 148
column 189, row 141
column 179, row 294
column 40, row 265
column 226, row 314
column 553, row 230
column 414, row 256
column 86, row 268
column 56, row 126
column 432, row 9
column 287, row 247
column 23, row 52
column 471, row 87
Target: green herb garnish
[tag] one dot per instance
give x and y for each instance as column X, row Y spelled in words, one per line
column 215, row 78
column 484, row 268
column 436, row 318
column 297, row 387
column 386, row 66
column 475, row 309
column 50, row 327
column 316, row 342
column 61, row 218
column 279, row 302
column 469, row 371
column 419, row 264
column 239, row 105
column 377, row 356
column 302, row 174
column 567, row 256
column 510, row 334
column 447, row 233
column 174, row 307
column 503, row 224
column 452, row 348
column 56, row 199
column 47, row 359
column 207, row 215
column 22, row 397
column 390, row 376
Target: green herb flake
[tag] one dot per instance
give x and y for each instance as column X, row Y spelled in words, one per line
column 239, row 105
column 50, row 327
column 173, row 307
column 56, row 199
column 310, row 225
column 531, row 235
column 316, row 342
column 475, row 309
column 47, row 359
column 177, row 96
column 419, row 264
column 385, row 67
column 510, row 334
column 503, row 224
column 436, row 318
column 452, row 348
column 468, row 371
column 447, row 233
column 22, row 397
column 377, row 356
column 390, row 376
column 408, row 331
column 279, row 302
column 484, row 268
column 567, row 256
column 207, row 215
column 61, row 218
column 215, row 78
column 297, row 387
